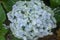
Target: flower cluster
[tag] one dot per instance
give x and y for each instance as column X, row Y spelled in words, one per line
column 31, row 20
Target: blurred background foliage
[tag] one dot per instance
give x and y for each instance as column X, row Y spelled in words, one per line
column 6, row 6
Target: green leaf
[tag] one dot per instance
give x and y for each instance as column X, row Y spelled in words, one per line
column 3, row 31
column 8, row 4
column 54, row 3
column 57, row 17
column 2, row 38
column 57, row 14
column 2, row 14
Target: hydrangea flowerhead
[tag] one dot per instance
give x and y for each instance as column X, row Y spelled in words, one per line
column 31, row 20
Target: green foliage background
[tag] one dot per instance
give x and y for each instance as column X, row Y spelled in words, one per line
column 6, row 6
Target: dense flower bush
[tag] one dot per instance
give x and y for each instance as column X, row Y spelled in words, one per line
column 31, row 20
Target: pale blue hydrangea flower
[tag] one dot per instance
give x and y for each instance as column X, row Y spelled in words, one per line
column 31, row 20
